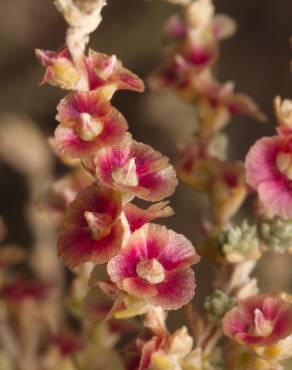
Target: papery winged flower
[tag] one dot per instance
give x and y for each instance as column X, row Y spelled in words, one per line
column 60, row 68
column 223, row 181
column 62, row 192
column 135, row 169
column 222, row 95
column 87, row 122
column 92, row 229
column 155, row 266
column 259, row 321
column 107, row 71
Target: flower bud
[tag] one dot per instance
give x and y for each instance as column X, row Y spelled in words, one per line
column 240, row 243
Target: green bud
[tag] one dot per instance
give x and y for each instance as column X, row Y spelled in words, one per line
column 276, row 234
column 240, row 243
column 218, row 304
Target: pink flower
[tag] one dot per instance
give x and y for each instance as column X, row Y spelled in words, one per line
column 63, row 192
column 223, row 95
column 104, row 70
column 155, row 266
column 92, row 230
column 60, row 69
column 137, row 217
column 136, row 169
column 259, row 321
column 269, row 172
column 87, row 122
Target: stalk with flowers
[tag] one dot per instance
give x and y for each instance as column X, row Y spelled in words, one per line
column 127, row 271
column 258, row 325
column 109, row 242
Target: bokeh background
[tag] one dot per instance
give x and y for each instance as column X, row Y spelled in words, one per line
column 257, row 59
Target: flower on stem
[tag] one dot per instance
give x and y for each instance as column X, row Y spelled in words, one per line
column 222, row 95
column 223, row 181
column 92, row 229
column 155, row 266
column 269, row 171
column 259, row 321
column 60, row 69
column 228, row 189
column 173, row 352
column 63, row 191
column 87, row 122
column 135, row 169
column 104, row 70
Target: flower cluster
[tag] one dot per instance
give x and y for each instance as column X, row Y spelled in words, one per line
column 193, row 48
column 99, row 222
column 258, row 326
column 124, row 264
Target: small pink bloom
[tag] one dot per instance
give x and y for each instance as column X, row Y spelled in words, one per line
column 88, row 122
column 63, row 192
column 223, row 95
column 92, row 230
column 175, row 27
column 198, row 55
column 269, row 171
column 105, row 70
column 148, row 349
column 259, row 321
column 155, row 266
column 137, row 217
column 183, row 66
column 136, row 169
column 172, row 73
column 60, row 69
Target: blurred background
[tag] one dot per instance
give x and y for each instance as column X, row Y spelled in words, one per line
column 257, row 59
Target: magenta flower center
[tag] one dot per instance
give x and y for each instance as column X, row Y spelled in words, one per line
column 151, row 271
column 126, row 175
column 98, row 223
column 263, row 327
column 88, row 128
column 284, row 164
